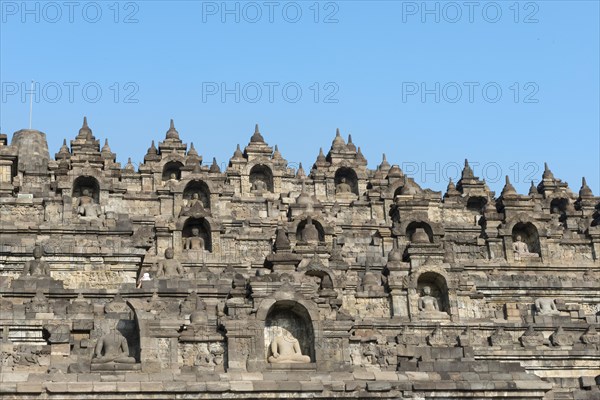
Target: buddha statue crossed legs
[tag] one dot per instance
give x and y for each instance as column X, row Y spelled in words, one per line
column 194, row 242
column 37, row 267
column 112, row 347
column 428, row 303
column 286, row 349
column 169, row 267
column 521, row 249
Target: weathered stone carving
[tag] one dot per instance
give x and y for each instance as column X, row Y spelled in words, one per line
column 112, row 348
column 501, row 338
column 59, row 333
column 194, row 207
column 80, row 305
column 591, row 336
column 546, row 306
column 560, row 338
column 420, row 236
column 521, row 249
column 428, row 303
column 285, row 348
column 169, row 267
column 38, row 304
column 194, row 242
column 37, row 267
column 236, row 307
column 343, row 187
column 259, row 185
column 116, row 305
column 531, row 337
column 309, row 234
column 371, row 282
column 87, row 207
column 437, row 337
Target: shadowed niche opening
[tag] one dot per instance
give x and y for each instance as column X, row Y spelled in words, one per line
column 172, row 170
column 348, row 176
column 89, row 185
column 197, row 227
column 438, row 289
column 413, row 226
column 317, row 225
column 528, row 234
column 261, row 177
column 201, row 189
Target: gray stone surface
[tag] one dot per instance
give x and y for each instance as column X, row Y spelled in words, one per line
column 382, row 288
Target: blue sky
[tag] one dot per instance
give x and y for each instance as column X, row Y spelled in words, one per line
column 507, row 85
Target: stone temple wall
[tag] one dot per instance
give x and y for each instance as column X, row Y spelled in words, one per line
column 179, row 280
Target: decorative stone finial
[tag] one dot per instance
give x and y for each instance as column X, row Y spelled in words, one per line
column 237, row 154
column 467, row 172
column 300, row 172
column 590, row 337
column 350, row 146
column 197, row 168
column 385, row 165
column 129, row 166
column 152, row 149
column 64, row 149
column 509, row 189
column 395, row 255
column 547, row 175
column 172, row 132
column 532, row 189
column 106, row 147
column 359, row 155
column 395, row 172
column 321, row 156
column 64, row 164
column 281, row 241
column 303, row 198
column 214, row 167
column 85, row 130
column 451, row 189
column 338, row 141
column 192, row 151
column 276, row 154
column 585, row 191
column 257, row 137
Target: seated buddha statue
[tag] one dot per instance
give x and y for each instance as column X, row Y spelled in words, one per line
column 286, row 349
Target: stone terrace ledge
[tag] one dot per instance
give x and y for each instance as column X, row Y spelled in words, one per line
column 293, row 384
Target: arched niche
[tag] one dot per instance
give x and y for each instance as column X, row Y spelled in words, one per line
column 476, row 203
column 323, row 278
column 438, row 288
column 172, row 170
column 199, row 226
column 528, row 234
column 290, row 316
column 398, row 191
column 345, row 175
column 408, row 188
column 261, row 178
column 87, row 184
column 559, row 205
column 413, row 226
column 317, row 225
column 200, row 188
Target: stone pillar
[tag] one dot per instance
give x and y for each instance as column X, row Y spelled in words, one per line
column 178, row 203
column 241, row 345
column 399, row 303
column 495, row 248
